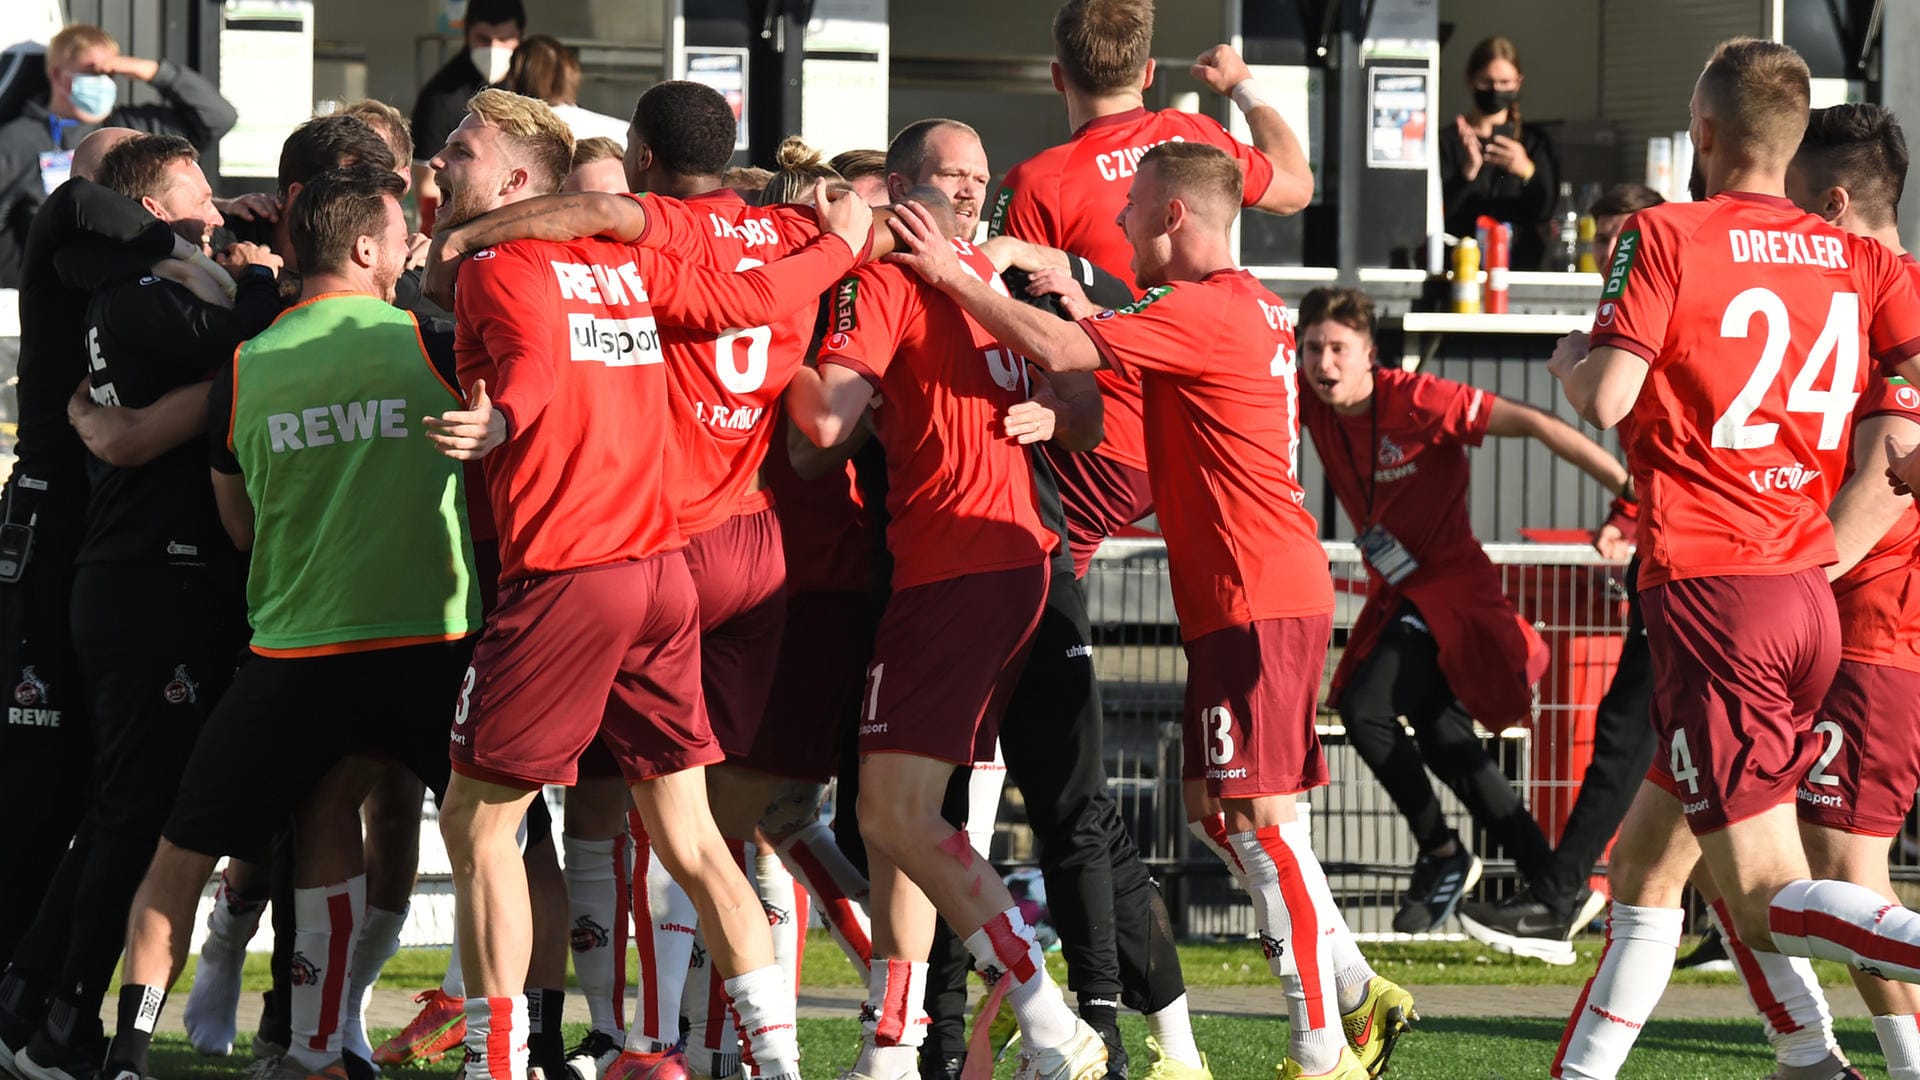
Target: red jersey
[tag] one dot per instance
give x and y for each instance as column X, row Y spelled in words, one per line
column 1751, row 315
column 724, row 385
column 960, row 491
column 593, row 303
column 1216, row 364
column 1069, row 196
column 1879, row 599
column 579, row 376
column 825, row 525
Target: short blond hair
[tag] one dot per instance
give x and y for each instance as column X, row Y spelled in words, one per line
column 76, row 39
column 542, row 141
column 1758, row 95
column 597, row 148
column 389, row 122
column 1201, row 175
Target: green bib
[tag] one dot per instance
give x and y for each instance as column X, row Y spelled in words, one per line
column 360, row 524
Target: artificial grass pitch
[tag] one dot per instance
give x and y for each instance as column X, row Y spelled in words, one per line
column 1491, row 1048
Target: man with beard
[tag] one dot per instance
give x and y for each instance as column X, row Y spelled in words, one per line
column 345, row 592
column 155, row 601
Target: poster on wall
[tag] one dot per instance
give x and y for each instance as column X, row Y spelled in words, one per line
column 726, row 71
column 266, row 70
column 1398, row 109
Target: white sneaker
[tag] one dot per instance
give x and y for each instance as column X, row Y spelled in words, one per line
column 214, row 1001
column 1083, row 1057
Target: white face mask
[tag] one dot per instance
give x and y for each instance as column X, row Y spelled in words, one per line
column 491, row 61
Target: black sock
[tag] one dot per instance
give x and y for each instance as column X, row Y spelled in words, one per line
column 545, row 1047
column 139, row 1013
column 1103, row 1016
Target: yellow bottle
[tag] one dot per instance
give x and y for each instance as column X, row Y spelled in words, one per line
column 1587, row 263
column 1466, row 276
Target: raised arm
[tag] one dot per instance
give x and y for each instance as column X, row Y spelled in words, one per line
column 1513, row 419
column 1292, row 188
column 558, row 218
column 697, row 297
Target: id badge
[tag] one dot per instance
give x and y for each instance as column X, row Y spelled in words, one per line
column 1385, row 555
column 16, row 544
column 56, row 166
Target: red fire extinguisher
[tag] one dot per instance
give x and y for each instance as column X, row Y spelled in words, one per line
column 1499, row 256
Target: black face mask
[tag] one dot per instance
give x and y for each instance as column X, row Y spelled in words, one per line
column 1491, row 101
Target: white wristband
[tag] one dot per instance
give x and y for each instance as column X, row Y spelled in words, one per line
column 1246, row 95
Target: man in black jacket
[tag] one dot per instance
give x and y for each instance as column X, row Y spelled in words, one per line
column 36, row 147
column 43, row 745
column 156, row 611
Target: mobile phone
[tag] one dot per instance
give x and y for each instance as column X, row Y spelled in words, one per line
column 1506, row 129
column 16, row 544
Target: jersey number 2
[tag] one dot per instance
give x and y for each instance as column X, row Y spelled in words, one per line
column 1838, row 344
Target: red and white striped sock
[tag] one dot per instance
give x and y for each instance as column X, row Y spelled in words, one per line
column 326, row 929
column 1279, row 868
column 1634, row 968
column 1212, row 831
column 667, row 920
column 893, row 1019
column 1900, row 1041
column 593, row 900
column 1787, row 995
column 496, row 1040
column 1838, row 920
column 1006, row 948
column 622, row 926
column 786, row 905
column 837, row 889
column 713, row 1041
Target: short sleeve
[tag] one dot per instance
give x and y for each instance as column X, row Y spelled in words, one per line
column 1169, row 329
column 672, row 226
column 1894, row 332
column 871, row 312
column 220, row 451
column 1888, row 396
column 1454, row 411
column 1642, row 283
column 498, row 288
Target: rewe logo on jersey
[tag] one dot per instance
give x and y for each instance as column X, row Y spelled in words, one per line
column 596, row 284
column 613, row 342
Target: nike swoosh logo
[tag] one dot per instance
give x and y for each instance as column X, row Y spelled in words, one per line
column 1366, row 1033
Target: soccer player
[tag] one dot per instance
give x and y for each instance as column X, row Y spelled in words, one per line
column 1705, row 306
column 1214, row 352
column 344, row 592
column 1068, row 197
column 566, row 335
column 1437, row 640
column 969, row 582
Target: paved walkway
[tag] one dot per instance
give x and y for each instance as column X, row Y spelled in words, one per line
column 393, row 1008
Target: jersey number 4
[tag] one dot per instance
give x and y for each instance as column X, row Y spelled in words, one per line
column 1838, row 345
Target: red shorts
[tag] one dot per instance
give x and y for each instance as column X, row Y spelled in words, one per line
column 739, row 569
column 945, row 661
column 1252, row 694
column 817, row 685
column 1740, row 664
column 1866, row 751
column 608, row 650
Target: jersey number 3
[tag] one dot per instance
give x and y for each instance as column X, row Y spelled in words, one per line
column 1838, row 345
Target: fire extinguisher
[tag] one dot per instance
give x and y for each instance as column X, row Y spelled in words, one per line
column 1499, row 256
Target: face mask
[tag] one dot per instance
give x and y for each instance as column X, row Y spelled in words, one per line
column 1492, row 101
column 491, row 62
column 93, row 95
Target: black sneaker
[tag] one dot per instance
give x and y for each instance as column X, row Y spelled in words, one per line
column 1116, row 1052
column 1525, row 925
column 1709, row 955
column 589, row 1060
column 17, row 1030
column 1438, row 884
column 43, row 1058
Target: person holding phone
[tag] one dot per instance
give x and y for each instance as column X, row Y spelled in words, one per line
column 1492, row 164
